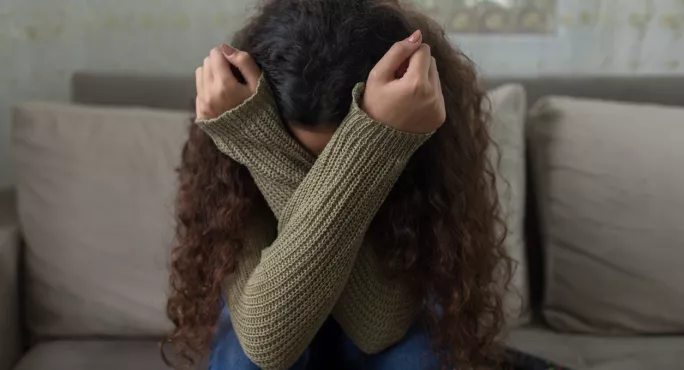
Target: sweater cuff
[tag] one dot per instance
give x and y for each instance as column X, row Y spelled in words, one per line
column 360, row 130
column 256, row 117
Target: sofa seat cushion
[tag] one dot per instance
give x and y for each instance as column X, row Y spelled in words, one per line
column 580, row 351
column 91, row 355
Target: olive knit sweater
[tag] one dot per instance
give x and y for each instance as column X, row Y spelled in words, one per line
column 286, row 285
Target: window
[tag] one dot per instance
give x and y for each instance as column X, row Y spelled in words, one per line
column 493, row 16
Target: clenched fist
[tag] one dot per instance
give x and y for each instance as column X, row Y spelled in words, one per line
column 218, row 89
column 412, row 102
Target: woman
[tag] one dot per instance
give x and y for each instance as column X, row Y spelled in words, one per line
column 315, row 235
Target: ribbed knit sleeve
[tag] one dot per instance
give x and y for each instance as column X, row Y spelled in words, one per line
column 279, row 298
column 253, row 134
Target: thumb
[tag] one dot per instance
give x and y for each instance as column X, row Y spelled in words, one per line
column 398, row 54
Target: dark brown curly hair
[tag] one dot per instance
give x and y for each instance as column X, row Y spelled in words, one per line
column 439, row 229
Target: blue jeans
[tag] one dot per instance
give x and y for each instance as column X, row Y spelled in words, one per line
column 330, row 349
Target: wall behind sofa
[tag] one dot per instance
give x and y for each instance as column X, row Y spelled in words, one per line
column 43, row 41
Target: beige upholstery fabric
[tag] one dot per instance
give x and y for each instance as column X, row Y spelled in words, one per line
column 8, row 207
column 95, row 196
column 94, row 355
column 178, row 91
column 10, row 341
column 588, row 352
column 508, row 108
column 610, row 180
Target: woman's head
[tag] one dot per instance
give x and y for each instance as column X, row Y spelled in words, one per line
column 439, row 229
column 314, row 52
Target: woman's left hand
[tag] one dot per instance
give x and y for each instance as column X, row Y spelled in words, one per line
column 218, row 89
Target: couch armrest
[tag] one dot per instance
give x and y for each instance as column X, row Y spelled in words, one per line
column 10, row 335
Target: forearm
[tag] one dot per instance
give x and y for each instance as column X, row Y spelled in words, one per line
column 299, row 278
column 253, row 134
column 374, row 310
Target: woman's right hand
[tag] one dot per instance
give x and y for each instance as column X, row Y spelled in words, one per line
column 413, row 102
column 218, row 89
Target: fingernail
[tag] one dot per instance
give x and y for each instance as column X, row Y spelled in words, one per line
column 227, row 50
column 414, row 37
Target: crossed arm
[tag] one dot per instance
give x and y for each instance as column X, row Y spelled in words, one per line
column 282, row 293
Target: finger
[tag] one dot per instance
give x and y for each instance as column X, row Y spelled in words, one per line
column 198, row 109
column 207, row 76
column 386, row 68
column 199, row 78
column 433, row 73
column 220, row 67
column 245, row 64
column 419, row 64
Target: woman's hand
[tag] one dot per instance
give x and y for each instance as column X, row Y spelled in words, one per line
column 218, row 89
column 413, row 102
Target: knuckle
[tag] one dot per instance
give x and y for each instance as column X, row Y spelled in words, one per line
column 209, row 105
column 199, row 104
column 372, row 75
column 220, row 88
column 206, row 61
column 417, row 86
column 225, row 82
column 241, row 57
column 215, row 51
column 398, row 47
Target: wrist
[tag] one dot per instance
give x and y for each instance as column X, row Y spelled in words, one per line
column 364, row 133
column 247, row 120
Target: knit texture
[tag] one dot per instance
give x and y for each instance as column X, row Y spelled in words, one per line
column 287, row 285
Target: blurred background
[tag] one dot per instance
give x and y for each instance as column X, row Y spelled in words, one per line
column 43, row 41
column 587, row 110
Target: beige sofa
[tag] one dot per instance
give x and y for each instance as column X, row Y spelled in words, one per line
column 595, row 211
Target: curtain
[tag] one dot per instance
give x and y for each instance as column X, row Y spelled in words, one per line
column 566, row 37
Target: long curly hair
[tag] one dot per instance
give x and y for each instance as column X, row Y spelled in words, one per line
column 439, row 229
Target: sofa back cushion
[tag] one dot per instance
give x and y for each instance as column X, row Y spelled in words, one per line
column 507, row 127
column 610, row 187
column 95, row 200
